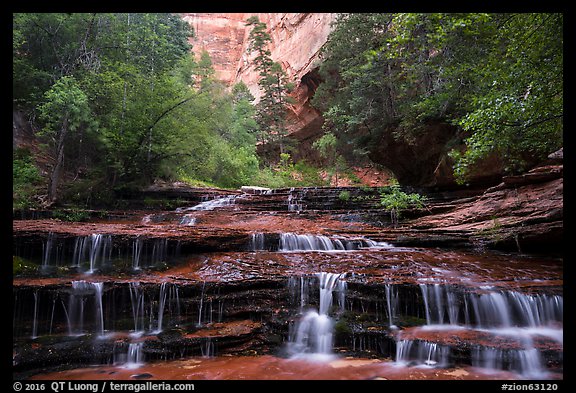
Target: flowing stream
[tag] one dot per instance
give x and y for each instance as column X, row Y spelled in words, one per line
column 225, row 278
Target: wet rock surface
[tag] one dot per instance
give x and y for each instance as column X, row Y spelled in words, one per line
column 231, row 278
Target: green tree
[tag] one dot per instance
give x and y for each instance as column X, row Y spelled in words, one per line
column 65, row 110
column 498, row 77
column 274, row 83
column 327, row 147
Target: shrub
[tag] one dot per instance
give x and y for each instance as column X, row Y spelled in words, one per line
column 394, row 199
column 26, row 179
column 344, row 196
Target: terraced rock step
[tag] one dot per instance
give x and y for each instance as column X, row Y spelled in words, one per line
column 501, row 329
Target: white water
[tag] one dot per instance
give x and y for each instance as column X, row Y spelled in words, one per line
column 35, row 323
column 135, row 356
column 295, row 202
column 189, row 220
column 47, row 250
column 257, row 242
column 137, row 301
column 161, row 306
column 295, row 242
column 502, row 313
column 81, row 292
column 95, row 249
column 313, row 337
column 136, row 252
column 422, row 352
column 392, row 304
column 212, row 204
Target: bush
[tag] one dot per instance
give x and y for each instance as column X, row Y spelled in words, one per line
column 73, row 215
column 394, row 199
column 344, row 196
column 26, row 180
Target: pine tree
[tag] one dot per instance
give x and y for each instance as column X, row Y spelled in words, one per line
column 271, row 109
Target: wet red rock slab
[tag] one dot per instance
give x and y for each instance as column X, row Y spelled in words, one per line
column 214, row 222
column 511, row 338
column 273, row 368
column 478, row 271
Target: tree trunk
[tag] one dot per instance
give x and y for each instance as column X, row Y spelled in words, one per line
column 56, row 172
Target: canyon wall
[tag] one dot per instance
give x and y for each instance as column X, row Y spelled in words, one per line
column 296, row 41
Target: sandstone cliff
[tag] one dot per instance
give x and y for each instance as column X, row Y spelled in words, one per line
column 296, row 41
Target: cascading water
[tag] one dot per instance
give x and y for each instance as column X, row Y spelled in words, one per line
column 95, row 249
column 422, row 352
column 189, row 220
column 313, row 336
column 503, row 313
column 129, row 356
column 392, row 304
column 257, row 242
column 135, row 356
column 136, row 252
column 35, row 323
column 211, row 204
column 295, row 202
column 502, row 309
column 137, row 301
column 201, row 304
column 295, row 242
column 161, row 305
column 81, row 290
column 47, row 250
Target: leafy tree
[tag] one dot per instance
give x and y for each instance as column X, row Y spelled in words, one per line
column 26, row 179
column 393, row 199
column 274, row 83
column 65, row 110
column 327, row 147
column 498, row 77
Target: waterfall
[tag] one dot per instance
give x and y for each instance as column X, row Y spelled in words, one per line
column 95, row 249
column 314, row 331
column 207, row 347
column 295, row 201
column 136, row 252
column 137, row 301
column 159, row 251
column 503, row 313
column 188, row 219
column 442, row 303
column 47, row 249
column 131, row 357
column 422, row 352
column 77, row 303
column 201, row 304
column 35, row 323
column 135, row 356
column 100, row 245
column 392, row 304
column 161, row 306
column 141, row 256
column 294, row 242
column 211, row 204
column 257, row 242
column 527, row 361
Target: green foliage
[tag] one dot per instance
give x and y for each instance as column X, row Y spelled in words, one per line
column 327, row 147
column 290, row 174
column 395, row 200
column 21, row 266
column 344, row 196
column 121, row 101
column 499, row 77
column 72, row 215
column 274, row 83
column 26, row 180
